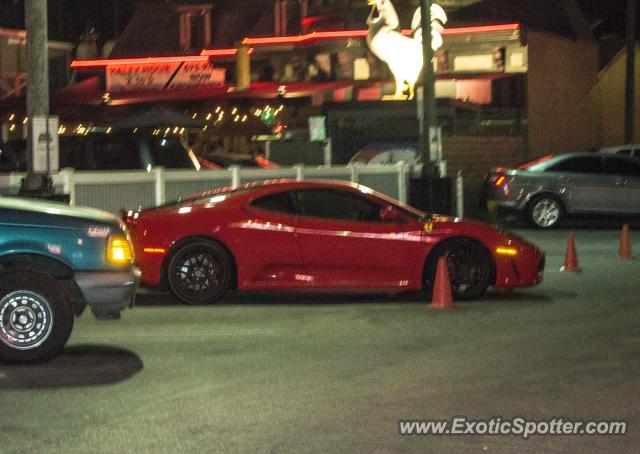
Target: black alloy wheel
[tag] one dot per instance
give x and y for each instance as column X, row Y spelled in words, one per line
column 470, row 267
column 199, row 272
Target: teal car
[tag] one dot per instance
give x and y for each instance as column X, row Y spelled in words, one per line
column 54, row 261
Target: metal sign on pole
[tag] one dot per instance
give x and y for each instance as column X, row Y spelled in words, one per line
column 435, row 143
column 44, row 142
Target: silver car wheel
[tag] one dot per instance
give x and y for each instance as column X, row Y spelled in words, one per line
column 26, row 320
column 546, row 212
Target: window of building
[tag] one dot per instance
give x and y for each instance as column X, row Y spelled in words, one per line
column 195, row 27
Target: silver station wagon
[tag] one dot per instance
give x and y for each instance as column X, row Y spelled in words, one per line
column 547, row 190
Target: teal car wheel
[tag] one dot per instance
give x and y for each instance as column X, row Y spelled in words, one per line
column 35, row 316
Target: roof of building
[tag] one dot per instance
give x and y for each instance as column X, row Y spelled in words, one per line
column 546, row 15
column 154, row 29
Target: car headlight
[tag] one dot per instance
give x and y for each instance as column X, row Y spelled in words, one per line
column 119, row 250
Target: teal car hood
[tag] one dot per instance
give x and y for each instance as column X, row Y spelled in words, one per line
column 57, row 214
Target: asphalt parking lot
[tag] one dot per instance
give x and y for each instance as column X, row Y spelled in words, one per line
column 335, row 373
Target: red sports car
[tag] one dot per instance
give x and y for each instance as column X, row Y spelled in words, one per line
column 318, row 235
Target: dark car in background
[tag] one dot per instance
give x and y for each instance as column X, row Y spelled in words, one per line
column 548, row 189
column 12, row 156
column 387, row 153
column 220, row 161
column 102, row 151
column 628, row 149
column 124, row 152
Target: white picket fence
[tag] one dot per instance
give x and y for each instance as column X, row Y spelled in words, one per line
column 113, row 190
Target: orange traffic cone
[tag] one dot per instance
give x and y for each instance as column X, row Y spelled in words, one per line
column 442, row 289
column 625, row 244
column 571, row 257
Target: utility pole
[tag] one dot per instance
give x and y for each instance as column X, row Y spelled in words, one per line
column 629, row 97
column 429, row 113
column 37, row 87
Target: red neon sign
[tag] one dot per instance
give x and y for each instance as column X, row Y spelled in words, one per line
column 363, row 33
column 139, row 61
column 481, row 29
column 223, row 52
column 274, row 40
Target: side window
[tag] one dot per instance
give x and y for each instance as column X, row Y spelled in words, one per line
column 77, row 152
column 280, row 203
column 11, row 157
column 578, row 164
column 166, row 152
column 115, row 154
column 625, row 167
column 336, row 204
column 625, row 152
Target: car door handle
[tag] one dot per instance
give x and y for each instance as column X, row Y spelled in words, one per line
column 621, row 182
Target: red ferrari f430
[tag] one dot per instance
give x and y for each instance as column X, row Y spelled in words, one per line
column 318, row 235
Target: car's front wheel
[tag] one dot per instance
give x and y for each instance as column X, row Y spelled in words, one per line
column 36, row 316
column 545, row 212
column 470, row 267
column 199, row 272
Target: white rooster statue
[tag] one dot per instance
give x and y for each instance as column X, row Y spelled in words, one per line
column 403, row 54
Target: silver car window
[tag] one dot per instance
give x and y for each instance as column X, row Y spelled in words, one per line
column 622, row 166
column 578, row 164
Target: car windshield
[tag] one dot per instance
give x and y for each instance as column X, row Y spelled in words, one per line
column 408, row 210
column 168, row 152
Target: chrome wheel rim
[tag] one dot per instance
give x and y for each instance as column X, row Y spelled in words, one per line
column 546, row 212
column 26, row 320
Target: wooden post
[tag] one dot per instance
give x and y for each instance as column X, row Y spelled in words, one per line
column 37, row 80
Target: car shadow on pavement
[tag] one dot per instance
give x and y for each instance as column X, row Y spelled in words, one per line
column 577, row 223
column 148, row 298
column 83, row 365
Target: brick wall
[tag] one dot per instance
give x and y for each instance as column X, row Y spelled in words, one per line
column 474, row 155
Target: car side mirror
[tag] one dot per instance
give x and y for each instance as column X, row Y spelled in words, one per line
column 389, row 213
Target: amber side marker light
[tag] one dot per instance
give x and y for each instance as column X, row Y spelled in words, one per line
column 119, row 250
column 154, row 250
column 506, row 251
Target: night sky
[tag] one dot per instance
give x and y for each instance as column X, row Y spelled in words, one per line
column 69, row 18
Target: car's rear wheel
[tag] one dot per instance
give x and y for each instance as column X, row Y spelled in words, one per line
column 199, row 272
column 36, row 316
column 470, row 267
column 545, row 212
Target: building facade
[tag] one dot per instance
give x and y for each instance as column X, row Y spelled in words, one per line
column 521, row 78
